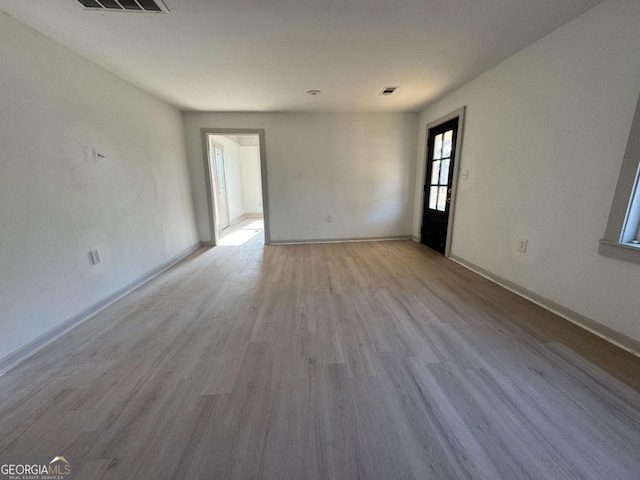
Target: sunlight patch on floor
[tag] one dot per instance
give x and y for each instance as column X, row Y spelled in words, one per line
column 242, row 235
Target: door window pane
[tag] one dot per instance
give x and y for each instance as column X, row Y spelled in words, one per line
column 444, row 171
column 435, row 172
column 437, row 147
column 433, row 195
column 442, row 198
column 446, row 146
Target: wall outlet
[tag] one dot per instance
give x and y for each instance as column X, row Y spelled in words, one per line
column 329, row 218
column 522, row 245
column 465, row 174
column 94, row 256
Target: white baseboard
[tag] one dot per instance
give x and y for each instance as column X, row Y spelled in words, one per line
column 237, row 219
column 29, row 349
column 626, row 343
column 244, row 216
column 339, row 240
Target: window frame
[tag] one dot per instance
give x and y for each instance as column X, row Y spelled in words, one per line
column 624, row 219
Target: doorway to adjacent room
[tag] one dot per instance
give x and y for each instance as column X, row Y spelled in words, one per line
column 236, row 185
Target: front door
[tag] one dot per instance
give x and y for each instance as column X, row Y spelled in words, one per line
column 441, row 151
column 221, row 188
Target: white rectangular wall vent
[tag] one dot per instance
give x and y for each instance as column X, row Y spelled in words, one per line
column 145, row 6
column 386, row 91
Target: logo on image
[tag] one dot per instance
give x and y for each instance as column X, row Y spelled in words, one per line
column 35, row 468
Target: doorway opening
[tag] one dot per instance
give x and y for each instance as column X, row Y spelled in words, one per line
column 236, row 186
column 441, row 180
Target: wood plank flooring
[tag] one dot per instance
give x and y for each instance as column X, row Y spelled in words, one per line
column 379, row 360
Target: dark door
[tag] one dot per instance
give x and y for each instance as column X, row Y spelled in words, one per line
column 441, row 152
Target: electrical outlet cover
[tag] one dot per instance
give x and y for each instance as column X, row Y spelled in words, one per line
column 95, row 257
column 522, row 245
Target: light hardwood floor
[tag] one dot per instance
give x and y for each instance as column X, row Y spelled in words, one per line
column 378, row 360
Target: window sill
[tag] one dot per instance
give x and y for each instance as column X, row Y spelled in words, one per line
column 627, row 252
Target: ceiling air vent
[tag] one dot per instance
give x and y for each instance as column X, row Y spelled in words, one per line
column 147, row 6
column 386, row 91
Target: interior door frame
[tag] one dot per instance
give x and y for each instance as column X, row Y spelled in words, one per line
column 460, row 115
column 205, row 133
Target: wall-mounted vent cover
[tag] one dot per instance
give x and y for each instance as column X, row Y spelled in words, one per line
column 386, row 91
column 145, row 6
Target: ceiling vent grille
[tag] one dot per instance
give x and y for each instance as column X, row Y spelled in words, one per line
column 386, row 91
column 145, row 6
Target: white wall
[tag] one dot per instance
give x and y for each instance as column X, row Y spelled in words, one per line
column 544, row 140
column 55, row 205
column 251, row 179
column 356, row 167
column 233, row 176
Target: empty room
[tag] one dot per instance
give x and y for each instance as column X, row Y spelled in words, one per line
column 319, row 239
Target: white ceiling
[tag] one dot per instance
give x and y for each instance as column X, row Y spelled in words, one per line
column 250, row 55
